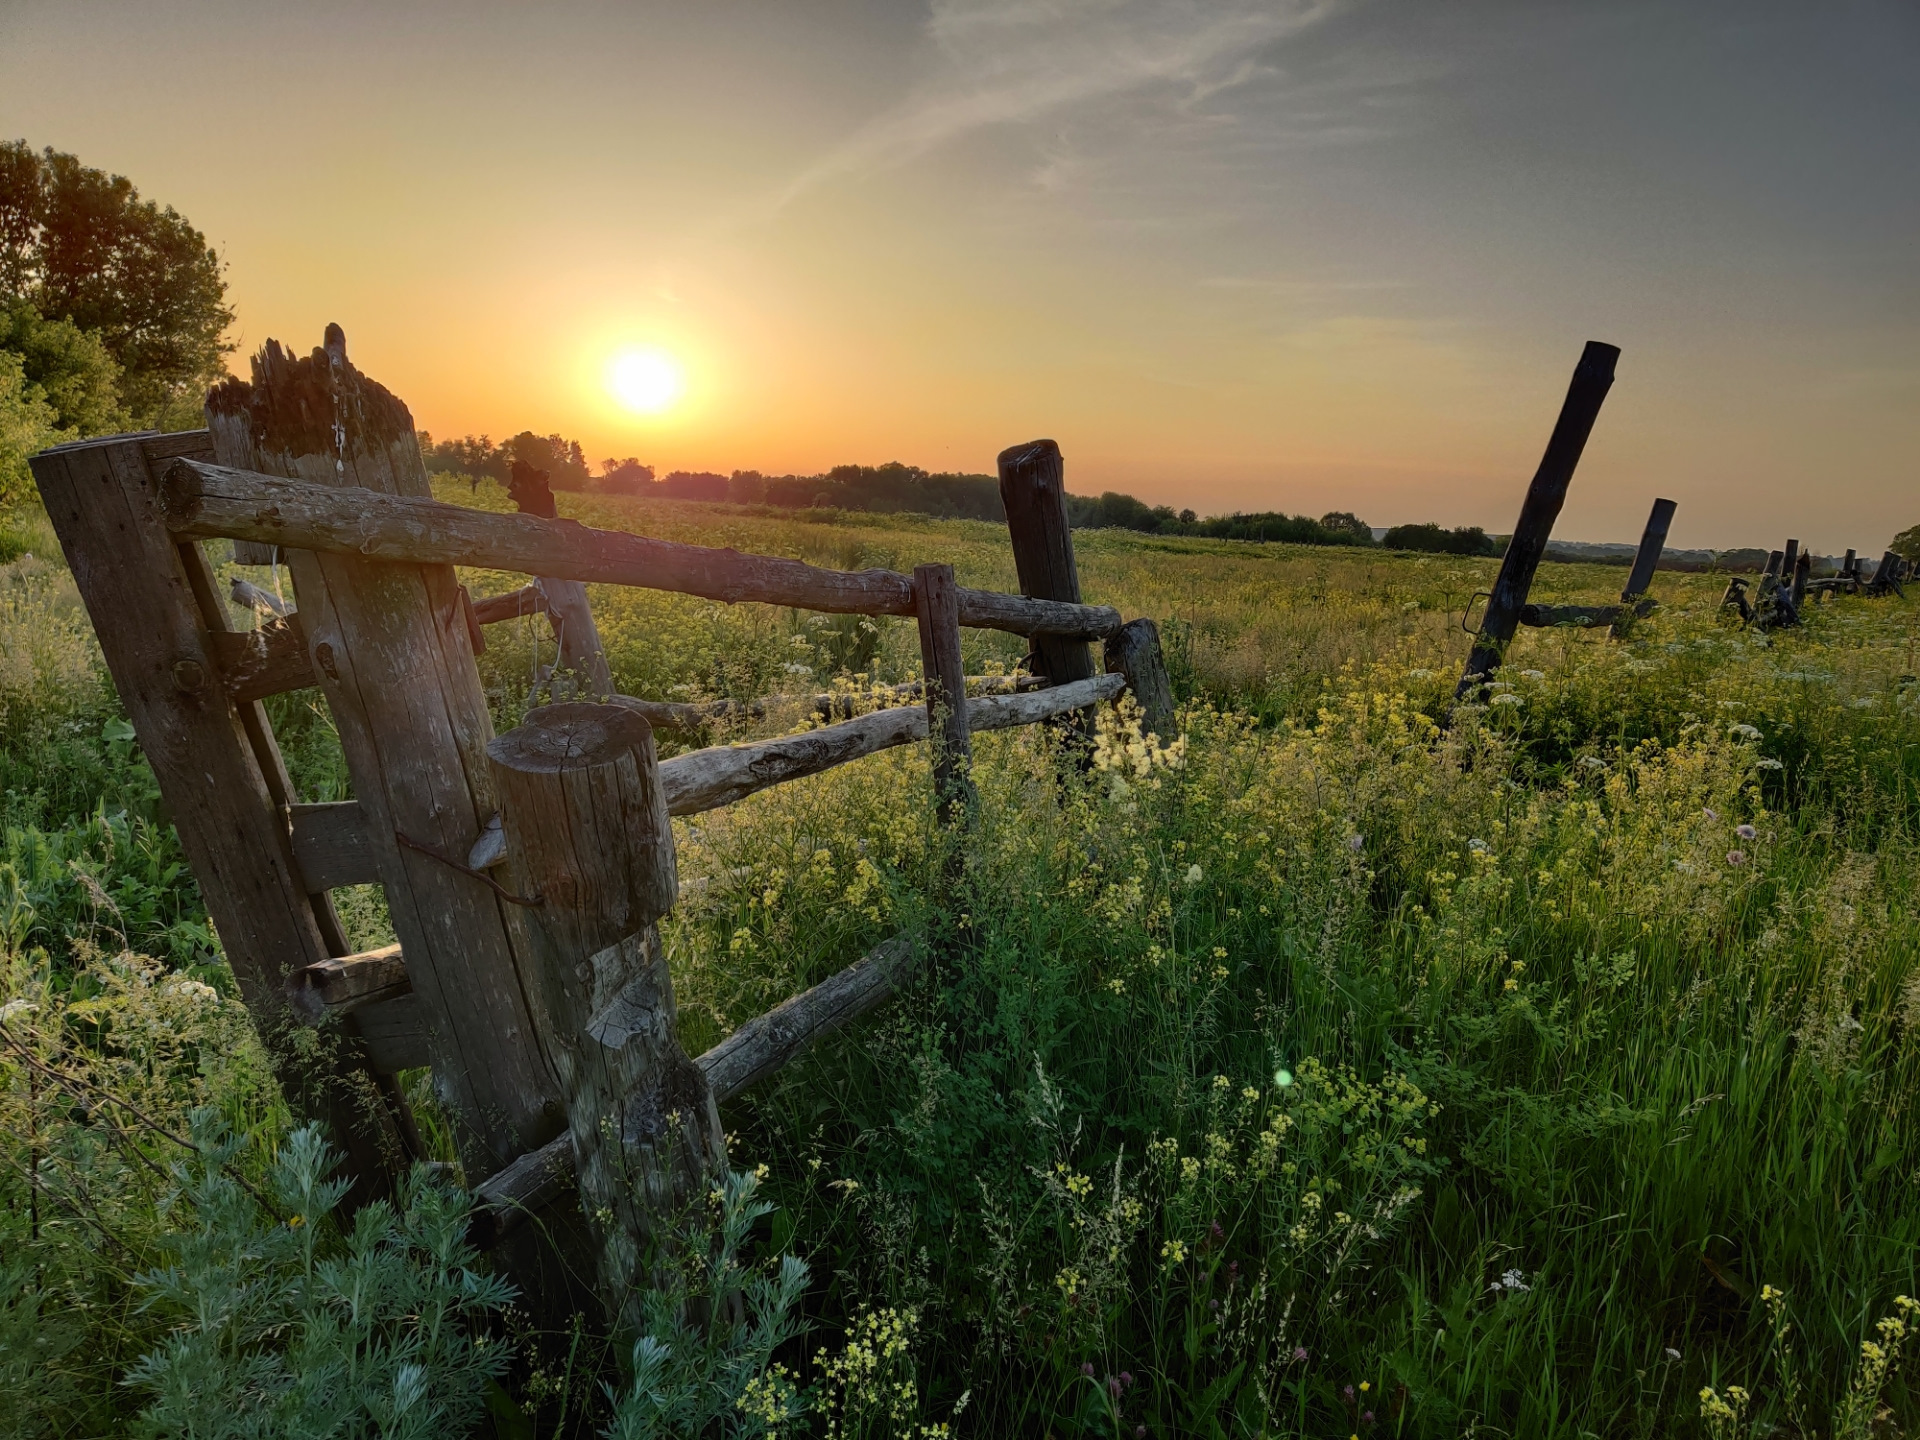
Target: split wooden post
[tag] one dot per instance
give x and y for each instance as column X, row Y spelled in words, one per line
column 936, row 607
column 1789, row 558
column 1652, row 541
column 1033, row 488
column 1592, row 378
column 392, row 653
column 1802, row 567
column 568, row 612
column 587, row 832
column 1774, row 557
column 1849, row 565
column 1134, row 651
column 157, row 617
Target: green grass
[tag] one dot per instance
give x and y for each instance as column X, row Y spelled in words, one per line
column 1574, row 1067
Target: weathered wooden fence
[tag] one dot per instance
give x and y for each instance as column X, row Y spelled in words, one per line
column 525, row 874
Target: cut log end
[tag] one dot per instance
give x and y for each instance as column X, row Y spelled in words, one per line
column 575, row 735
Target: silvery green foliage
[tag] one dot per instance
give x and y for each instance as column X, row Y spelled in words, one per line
column 716, row 1376
column 290, row 1329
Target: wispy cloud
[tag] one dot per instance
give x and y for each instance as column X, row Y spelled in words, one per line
column 1015, row 62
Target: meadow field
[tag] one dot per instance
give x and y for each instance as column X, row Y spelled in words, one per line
column 1350, row 1064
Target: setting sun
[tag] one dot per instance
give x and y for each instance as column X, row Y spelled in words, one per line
column 645, row 381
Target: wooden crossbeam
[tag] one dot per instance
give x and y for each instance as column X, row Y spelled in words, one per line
column 206, row 500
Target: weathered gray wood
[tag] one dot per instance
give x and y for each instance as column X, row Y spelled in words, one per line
column 845, row 704
column 333, row 846
column 270, row 660
column 390, row 649
column 1788, row 559
column 721, row 774
column 758, row 1049
column 341, row 984
column 1774, row 559
column 1850, row 566
column 156, row 636
column 1034, row 491
column 936, row 607
column 1652, row 541
column 1547, row 492
column 1802, row 566
column 209, row 500
column 587, row 831
column 1134, row 651
column 396, row 1035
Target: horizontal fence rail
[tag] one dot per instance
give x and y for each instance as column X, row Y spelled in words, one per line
column 204, row 501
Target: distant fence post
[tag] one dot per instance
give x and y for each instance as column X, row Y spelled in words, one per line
column 1802, row 567
column 587, row 833
column 1653, row 540
column 1134, row 651
column 1033, row 488
column 568, row 612
column 936, row 607
column 1592, row 378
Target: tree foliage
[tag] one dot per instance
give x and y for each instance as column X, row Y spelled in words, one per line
column 80, row 245
column 1907, row 543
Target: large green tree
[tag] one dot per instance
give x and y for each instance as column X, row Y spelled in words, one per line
column 80, row 245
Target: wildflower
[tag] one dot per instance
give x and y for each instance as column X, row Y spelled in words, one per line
column 1736, row 857
column 1745, row 832
column 1356, row 843
column 1533, row 674
column 1299, row 1354
column 1508, row 699
column 1365, row 1386
column 1768, row 764
column 1672, row 1354
column 1711, row 813
column 1283, row 1078
column 1743, row 731
column 1193, row 875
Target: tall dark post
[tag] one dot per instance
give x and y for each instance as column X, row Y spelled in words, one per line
column 1592, row 378
column 1801, row 567
column 1789, row 558
column 1774, row 558
column 1652, row 541
column 1033, row 488
column 1847, row 566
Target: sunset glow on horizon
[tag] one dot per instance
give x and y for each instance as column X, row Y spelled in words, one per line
column 1304, row 255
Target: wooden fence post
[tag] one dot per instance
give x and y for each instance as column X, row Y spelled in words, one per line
column 1788, row 559
column 1592, row 378
column 1134, row 651
column 1652, row 541
column 936, row 607
column 1802, row 567
column 1033, row 488
column 156, row 615
column 587, row 832
column 392, row 653
column 568, row 613
column 1774, row 557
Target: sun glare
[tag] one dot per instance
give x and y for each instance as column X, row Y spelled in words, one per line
column 646, row 382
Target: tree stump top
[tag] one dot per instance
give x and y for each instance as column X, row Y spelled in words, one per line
column 576, row 735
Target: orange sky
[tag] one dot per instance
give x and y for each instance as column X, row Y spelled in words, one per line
column 1300, row 256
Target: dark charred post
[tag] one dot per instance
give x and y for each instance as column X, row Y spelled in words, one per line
column 391, row 652
column 1652, row 541
column 1774, row 558
column 587, row 832
column 1849, row 566
column 159, row 620
column 1802, row 567
column 936, row 606
column 1789, row 558
column 1134, row 651
column 1033, row 488
column 1592, row 378
column 565, row 601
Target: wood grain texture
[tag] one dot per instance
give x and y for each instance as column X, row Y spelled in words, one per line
column 242, row 503
column 1546, row 493
column 721, row 774
column 390, row 649
column 1034, row 491
column 270, row 660
column 341, row 984
column 333, row 846
column 140, row 589
column 1133, row 651
column 527, row 600
column 587, row 830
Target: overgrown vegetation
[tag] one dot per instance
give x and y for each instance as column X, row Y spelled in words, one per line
column 1345, row 1065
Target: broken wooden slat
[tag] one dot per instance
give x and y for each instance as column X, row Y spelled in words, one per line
column 1547, row 492
column 207, row 500
column 270, row 660
column 721, row 774
column 1134, row 652
column 332, row 845
column 341, row 984
column 1652, row 541
column 527, row 600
